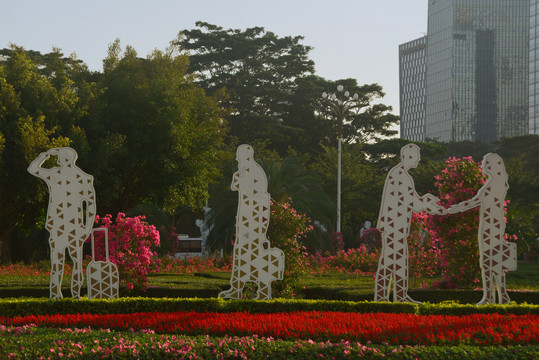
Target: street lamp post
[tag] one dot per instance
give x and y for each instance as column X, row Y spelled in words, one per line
column 340, row 104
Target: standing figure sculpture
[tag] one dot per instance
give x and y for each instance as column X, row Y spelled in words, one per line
column 496, row 256
column 253, row 259
column 70, row 214
column 399, row 200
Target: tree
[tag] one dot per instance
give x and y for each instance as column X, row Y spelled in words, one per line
column 368, row 122
column 361, row 189
column 155, row 136
column 520, row 158
column 289, row 181
column 257, row 68
column 39, row 109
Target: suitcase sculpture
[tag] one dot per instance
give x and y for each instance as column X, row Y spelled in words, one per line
column 102, row 276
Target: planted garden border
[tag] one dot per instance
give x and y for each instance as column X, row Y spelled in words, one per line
column 42, row 306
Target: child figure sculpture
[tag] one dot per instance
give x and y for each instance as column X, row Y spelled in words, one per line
column 70, row 215
column 253, row 260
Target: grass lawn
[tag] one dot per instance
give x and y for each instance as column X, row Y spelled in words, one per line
column 522, row 283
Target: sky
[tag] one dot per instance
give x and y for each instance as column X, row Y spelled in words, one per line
column 350, row 38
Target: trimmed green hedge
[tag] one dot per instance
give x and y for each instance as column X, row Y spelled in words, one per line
column 27, row 306
column 433, row 296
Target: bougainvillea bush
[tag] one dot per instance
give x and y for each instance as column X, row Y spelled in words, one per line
column 457, row 234
column 286, row 230
column 130, row 248
column 447, row 246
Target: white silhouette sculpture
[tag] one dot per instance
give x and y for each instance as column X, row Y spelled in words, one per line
column 253, row 260
column 366, row 226
column 496, row 256
column 102, row 277
column 70, row 214
column 399, row 200
column 205, row 229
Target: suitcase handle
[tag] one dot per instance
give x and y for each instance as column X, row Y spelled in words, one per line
column 106, row 242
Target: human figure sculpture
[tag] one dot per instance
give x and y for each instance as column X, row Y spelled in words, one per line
column 399, row 200
column 496, row 255
column 253, row 259
column 70, row 214
column 205, row 229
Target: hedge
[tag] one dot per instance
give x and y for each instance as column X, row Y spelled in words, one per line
column 39, row 306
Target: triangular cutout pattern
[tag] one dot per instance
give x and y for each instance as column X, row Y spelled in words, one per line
column 252, row 262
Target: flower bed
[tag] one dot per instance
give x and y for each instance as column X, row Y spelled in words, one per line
column 410, row 329
column 192, row 265
column 86, row 343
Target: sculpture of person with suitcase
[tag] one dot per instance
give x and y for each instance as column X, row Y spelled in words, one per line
column 70, row 214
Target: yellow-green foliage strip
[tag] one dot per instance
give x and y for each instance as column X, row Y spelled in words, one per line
column 36, row 306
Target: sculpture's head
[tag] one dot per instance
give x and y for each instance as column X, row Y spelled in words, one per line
column 244, row 155
column 66, row 156
column 493, row 166
column 410, row 156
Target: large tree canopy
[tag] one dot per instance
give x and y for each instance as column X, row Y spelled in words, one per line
column 155, row 136
column 257, row 68
column 39, row 109
column 145, row 131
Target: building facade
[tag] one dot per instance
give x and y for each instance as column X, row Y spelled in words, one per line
column 476, row 70
column 534, row 68
column 412, row 70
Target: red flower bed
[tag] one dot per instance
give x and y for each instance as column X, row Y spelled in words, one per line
column 391, row 328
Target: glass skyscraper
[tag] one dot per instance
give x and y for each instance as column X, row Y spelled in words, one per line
column 412, row 70
column 534, row 68
column 476, row 70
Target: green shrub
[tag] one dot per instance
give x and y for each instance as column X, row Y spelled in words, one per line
column 14, row 307
column 99, row 344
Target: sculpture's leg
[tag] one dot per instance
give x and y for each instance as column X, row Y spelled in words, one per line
column 401, row 278
column 483, row 282
column 77, row 278
column 382, row 280
column 502, row 291
column 264, row 291
column 236, row 283
column 488, row 288
column 57, row 272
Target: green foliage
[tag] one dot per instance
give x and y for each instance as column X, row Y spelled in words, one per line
column 368, row 122
column 258, row 70
column 522, row 165
column 39, row 108
column 361, row 187
column 128, row 305
column 156, row 130
column 288, row 179
column 286, row 230
column 104, row 343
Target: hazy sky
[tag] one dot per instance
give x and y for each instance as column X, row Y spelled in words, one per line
column 351, row 38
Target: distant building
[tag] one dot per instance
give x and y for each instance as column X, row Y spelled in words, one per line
column 534, row 68
column 476, row 83
column 412, row 70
